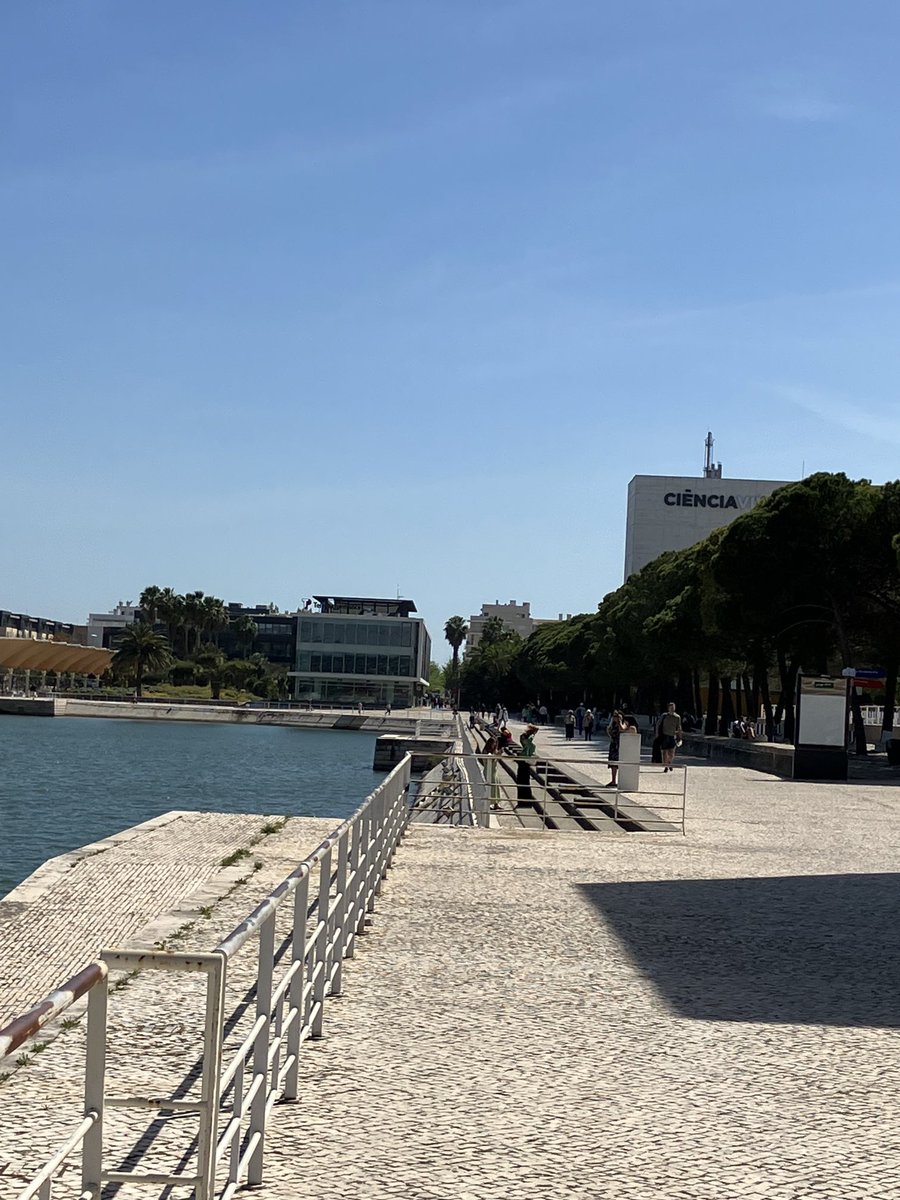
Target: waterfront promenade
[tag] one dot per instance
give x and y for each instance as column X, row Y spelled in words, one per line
column 549, row 1014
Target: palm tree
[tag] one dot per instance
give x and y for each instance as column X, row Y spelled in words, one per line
column 193, row 619
column 455, row 631
column 150, row 604
column 141, row 649
column 169, row 606
column 214, row 615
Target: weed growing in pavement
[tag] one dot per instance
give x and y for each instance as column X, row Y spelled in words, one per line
column 235, row 857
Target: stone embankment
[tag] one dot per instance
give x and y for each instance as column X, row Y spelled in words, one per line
column 405, row 721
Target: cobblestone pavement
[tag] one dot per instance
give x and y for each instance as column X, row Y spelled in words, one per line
column 552, row 1014
column 58, row 919
column 542, row 1014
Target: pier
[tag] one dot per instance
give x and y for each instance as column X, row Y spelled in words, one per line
column 529, row 1013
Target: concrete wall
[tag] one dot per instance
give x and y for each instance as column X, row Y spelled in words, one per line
column 774, row 758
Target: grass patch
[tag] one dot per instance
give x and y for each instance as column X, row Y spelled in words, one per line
column 70, row 1022
column 234, row 857
column 271, row 827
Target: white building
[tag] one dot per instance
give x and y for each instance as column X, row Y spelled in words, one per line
column 102, row 628
column 671, row 512
column 516, row 617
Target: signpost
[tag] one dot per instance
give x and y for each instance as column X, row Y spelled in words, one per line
column 820, row 743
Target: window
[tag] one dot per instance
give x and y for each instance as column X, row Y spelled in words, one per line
column 340, row 631
column 306, row 631
column 315, row 662
column 396, row 631
column 328, row 634
column 384, row 635
column 393, row 665
column 406, row 635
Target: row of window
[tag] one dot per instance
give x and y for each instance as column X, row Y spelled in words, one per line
column 348, row 691
column 355, row 664
column 357, row 633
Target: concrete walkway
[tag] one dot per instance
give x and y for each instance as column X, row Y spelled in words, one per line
column 131, row 886
column 551, row 1014
column 542, row 1015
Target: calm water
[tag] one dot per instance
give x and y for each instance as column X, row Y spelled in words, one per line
column 65, row 782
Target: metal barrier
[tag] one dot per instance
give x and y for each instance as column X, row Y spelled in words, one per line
column 331, row 892
column 488, row 789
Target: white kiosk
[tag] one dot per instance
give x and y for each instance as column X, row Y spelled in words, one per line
column 629, row 779
column 820, row 741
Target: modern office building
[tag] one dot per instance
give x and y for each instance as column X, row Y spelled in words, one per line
column 516, row 617
column 361, row 650
column 671, row 512
column 276, row 634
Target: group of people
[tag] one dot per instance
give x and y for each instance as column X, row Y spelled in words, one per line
column 581, row 719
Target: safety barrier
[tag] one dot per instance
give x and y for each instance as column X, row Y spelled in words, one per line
column 328, row 897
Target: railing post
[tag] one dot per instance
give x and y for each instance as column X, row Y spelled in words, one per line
column 95, row 1087
column 352, row 915
column 297, row 988
column 212, row 1073
column 380, row 839
column 261, row 1049
column 340, row 914
column 320, row 957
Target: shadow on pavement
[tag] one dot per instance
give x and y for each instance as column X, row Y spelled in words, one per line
column 806, row 950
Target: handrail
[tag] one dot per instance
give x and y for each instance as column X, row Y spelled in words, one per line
column 21, row 1028
column 334, row 889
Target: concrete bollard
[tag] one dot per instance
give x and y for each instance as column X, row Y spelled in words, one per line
column 629, row 762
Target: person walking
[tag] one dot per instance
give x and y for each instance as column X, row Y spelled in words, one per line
column 668, row 730
column 588, row 724
column 614, row 731
column 543, row 714
column 523, row 769
column 570, row 725
column 579, row 718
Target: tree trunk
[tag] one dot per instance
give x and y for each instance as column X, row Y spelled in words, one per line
column 698, row 695
column 890, row 694
column 710, row 725
column 763, row 676
column 727, row 708
column 859, row 728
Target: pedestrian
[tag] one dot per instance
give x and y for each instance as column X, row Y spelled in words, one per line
column 579, row 718
column 387, row 711
column 588, row 724
column 668, row 730
column 614, row 732
column 570, row 725
column 504, row 715
column 543, row 714
column 523, row 769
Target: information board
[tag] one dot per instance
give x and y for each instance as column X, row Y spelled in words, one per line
column 822, row 711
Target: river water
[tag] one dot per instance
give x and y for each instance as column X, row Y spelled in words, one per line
column 65, row 782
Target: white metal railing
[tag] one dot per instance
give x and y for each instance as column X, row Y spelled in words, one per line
column 470, row 788
column 328, row 897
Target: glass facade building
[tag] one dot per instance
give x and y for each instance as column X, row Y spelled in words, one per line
column 361, row 651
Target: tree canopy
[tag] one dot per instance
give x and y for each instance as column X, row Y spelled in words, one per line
column 808, row 579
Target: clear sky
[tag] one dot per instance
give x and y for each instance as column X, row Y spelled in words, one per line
column 347, row 296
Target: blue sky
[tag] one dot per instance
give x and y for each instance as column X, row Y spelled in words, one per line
column 339, row 297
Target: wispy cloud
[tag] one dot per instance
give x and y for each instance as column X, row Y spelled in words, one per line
column 863, row 417
column 792, row 98
column 675, row 316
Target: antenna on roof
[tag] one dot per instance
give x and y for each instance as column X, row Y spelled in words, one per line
column 711, row 470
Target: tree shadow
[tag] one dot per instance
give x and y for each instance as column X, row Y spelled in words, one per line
column 806, row 950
